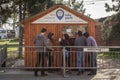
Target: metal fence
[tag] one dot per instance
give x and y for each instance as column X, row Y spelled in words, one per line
column 59, row 59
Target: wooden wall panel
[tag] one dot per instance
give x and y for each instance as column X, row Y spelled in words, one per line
column 30, row 34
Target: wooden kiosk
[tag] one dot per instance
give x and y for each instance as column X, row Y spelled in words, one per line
column 58, row 19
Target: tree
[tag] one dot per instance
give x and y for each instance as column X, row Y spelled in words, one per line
column 32, row 7
column 23, row 9
column 28, row 8
column 73, row 4
column 114, row 7
column 77, row 6
column 5, row 10
column 111, row 26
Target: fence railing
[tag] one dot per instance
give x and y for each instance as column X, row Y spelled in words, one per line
column 107, row 57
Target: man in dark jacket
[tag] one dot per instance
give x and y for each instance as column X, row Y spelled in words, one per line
column 40, row 42
column 80, row 41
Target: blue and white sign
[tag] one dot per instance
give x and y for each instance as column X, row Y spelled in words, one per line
column 59, row 15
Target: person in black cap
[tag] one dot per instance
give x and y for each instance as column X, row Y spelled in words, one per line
column 65, row 41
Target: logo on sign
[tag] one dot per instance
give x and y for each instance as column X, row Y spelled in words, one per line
column 60, row 14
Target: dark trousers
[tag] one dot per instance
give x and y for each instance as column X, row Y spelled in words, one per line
column 50, row 58
column 93, row 62
column 67, row 60
column 40, row 60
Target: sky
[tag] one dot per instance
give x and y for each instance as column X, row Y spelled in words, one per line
column 97, row 10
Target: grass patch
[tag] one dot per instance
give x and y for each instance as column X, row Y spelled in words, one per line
column 110, row 54
column 14, row 40
column 12, row 49
column 12, row 44
column 4, row 40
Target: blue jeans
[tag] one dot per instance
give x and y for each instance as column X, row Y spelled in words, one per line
column 93, row 62
column 80, row 60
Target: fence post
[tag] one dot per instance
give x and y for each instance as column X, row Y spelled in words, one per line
column 64, row 63
column 44, row 56
column 0, row 58
column 4, row 55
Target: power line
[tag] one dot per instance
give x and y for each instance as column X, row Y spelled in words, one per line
column 89, row 2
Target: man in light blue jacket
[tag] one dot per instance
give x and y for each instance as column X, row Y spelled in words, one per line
column 93, row 55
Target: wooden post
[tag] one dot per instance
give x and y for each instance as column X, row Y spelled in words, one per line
column 21, row 32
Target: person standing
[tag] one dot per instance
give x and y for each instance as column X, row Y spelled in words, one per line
column 80, row 41
column 40, row 41
column 93, row 55
column 50, row 49
column 66, row 42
